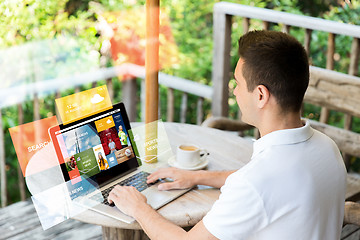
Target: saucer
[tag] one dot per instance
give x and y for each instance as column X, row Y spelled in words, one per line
column 172, row 162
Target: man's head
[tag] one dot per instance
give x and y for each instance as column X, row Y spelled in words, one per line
column 278, row 62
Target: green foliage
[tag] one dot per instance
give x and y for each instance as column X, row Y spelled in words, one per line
column 70, row 25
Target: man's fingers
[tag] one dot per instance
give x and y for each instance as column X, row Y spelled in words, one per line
column 161, row 173
column 111, row 196
column 168, row 186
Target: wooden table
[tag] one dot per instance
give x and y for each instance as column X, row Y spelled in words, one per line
column 227, row 152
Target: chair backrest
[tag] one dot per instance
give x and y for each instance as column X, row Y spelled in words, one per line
column 352, row 213
column 340, row 92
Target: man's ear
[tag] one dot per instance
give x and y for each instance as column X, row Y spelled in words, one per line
column 263, row 95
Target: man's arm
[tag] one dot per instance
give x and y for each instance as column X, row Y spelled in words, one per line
column 185, row 179
column 134, row 204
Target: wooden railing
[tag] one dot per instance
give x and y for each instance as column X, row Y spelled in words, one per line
column 223, row 13
column 333, row 91
column 11, row 97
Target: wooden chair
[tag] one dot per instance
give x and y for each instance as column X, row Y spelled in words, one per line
column 352, row 213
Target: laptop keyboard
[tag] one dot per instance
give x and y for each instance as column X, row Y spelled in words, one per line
column 137, row 180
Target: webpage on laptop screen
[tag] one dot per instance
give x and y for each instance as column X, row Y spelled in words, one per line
column 95, row 145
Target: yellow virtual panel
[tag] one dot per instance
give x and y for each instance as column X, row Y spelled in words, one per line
column 83, row 104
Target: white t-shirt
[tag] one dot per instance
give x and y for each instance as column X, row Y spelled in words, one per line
column 293, row 188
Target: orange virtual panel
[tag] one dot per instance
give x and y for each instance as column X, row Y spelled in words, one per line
column 30, row 138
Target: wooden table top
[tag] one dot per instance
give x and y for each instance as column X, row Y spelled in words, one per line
column 227, row 151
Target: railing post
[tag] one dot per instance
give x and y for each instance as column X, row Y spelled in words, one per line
column 19, row 172
column 2, row 166
column 170, row 105
column 109, row 85
column 142, row 100
column 353, row 70
column 325, row 113
column 221, row 63
column 307, row 41
column 183, row 107
column 286, row 28
column 199, row 112
column 129, row 97
column 246, row 25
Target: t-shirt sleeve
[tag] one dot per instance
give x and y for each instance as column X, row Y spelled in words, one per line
column 238, row 213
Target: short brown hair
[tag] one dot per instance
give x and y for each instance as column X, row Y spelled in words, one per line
column 277, row 61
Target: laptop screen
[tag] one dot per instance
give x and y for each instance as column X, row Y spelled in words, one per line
column 96, row 147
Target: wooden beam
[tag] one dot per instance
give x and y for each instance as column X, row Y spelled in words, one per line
column 3, row 182
column 221, row 64
column 307, row 41
column 152, row 61
column 199, row 111
column 325, row 112
column 183, row 107
column 294, row 20
column 334, row 90
column 19, row 172
column 170, row 105
column 129, row 88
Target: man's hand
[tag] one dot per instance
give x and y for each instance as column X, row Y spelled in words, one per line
column 182, row 178
column 127, row 199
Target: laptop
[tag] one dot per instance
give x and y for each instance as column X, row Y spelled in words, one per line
column 97, row 149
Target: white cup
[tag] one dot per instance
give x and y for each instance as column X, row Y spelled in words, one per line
column 188, row 155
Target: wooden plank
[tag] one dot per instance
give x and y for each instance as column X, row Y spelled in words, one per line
column 185, row 85
column 152, row 61
column 110, row 88
column 21, row 181
column 123, row 234
column 246, row 25
column 330, row 51
column 54, row 85
column 221, row 63
column 142, row 100
column 36, row 107
column 348, row 232
column 334, row 90
column 129, row 97
column 286, row 28
column 183, row 107
column 3, row 183
column 226, row 8
column 353, row 70
column 266, row 25
column 20, row 221
column 325, row 112
column 307, row 41
column 352, row 213
column 199, row 111
column 354, row 57
column 170, row 105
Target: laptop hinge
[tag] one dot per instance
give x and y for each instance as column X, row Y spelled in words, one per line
column 116, row 178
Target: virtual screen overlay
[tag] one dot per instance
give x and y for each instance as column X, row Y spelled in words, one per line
column 66, row 166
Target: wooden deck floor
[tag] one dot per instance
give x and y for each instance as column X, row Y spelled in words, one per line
column 20, row 221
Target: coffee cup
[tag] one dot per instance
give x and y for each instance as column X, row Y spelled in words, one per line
column 188, row 155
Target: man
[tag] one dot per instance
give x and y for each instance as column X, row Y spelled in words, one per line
column 123, row 137
column 294, row 185
column 112, row 145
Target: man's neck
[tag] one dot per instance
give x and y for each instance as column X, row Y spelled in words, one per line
column 277, row 122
